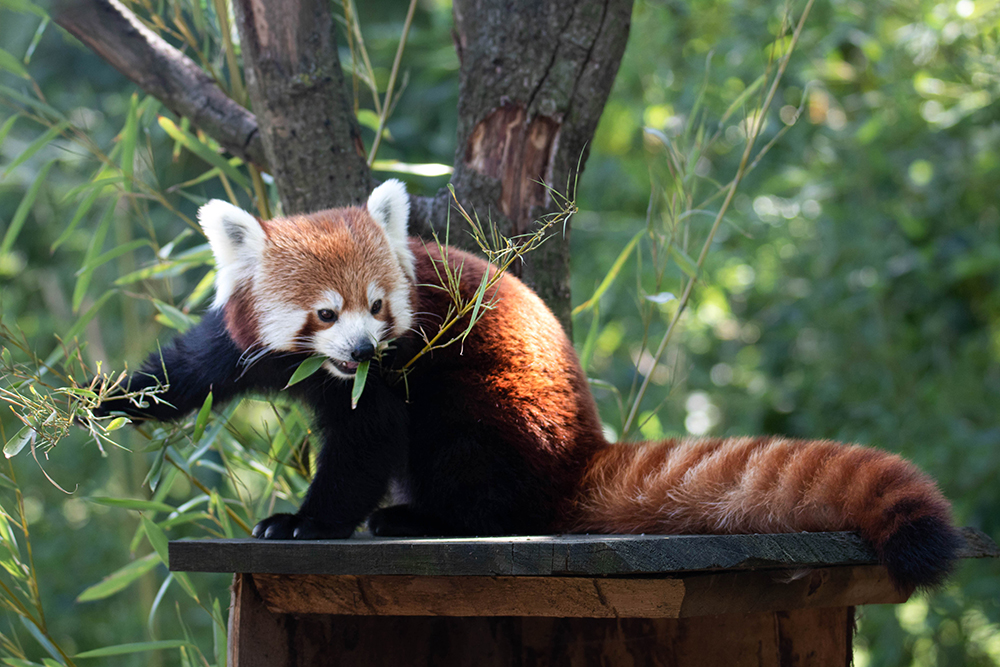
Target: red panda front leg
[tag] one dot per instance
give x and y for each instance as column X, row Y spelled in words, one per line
column 362, row 450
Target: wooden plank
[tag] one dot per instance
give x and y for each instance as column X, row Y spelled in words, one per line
column 580, row 597
column 574, row 555
column 395, row 595
column 803, row 638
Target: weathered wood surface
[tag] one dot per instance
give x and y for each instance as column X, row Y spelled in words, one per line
column 820, row 636
column 565, row 555
column 701, row 594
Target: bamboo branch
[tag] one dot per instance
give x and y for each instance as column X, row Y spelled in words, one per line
column 117, row 36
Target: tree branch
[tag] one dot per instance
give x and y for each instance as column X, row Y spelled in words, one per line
column 113, row 32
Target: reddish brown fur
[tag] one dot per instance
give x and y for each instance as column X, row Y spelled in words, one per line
column 517, row 357
column 342, row 247
column 517, row 375
column 747, row 485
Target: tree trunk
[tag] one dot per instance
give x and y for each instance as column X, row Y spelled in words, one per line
column 311, row 138
column 534, row 79
column 535, row 76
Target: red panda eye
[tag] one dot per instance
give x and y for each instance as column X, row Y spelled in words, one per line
column 327, row 315
column 377, row 307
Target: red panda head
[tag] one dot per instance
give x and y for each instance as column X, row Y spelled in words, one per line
column 335, row 283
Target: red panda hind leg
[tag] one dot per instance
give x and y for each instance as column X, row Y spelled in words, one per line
column 772, row 484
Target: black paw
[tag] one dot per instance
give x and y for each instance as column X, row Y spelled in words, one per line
column 298, row 527
column 403, row 521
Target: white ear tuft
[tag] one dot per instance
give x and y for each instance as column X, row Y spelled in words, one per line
column 389, row 206
column 237, row 241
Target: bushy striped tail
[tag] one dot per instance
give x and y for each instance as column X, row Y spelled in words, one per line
column 773, row 485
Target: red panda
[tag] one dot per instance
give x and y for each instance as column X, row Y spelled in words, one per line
column 498, row 435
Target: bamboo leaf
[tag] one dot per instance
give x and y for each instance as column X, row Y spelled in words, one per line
column 591, row 341
column 24, row 6
column 96, row 243
column 202, row 150
column 157, row 538
column 742, row 97
column 130, row 135
column 202, row 420
column 174, row 317
column 684, row 261
column 12, row 64
column 136, row 647
column 119, row 579
column 185, row 582
column 81, row 211
column 132, row 504
column 117, row 423
column 7, row 127
column 21, row 214
column 610, row 277
column 114, row 253
column 17, row 443
column 35, row 146
column 305, row 369
column 359, row 383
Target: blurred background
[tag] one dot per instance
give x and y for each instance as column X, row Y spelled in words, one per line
column 851, row 291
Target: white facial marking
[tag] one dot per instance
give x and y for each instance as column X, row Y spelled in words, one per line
column 402, row 312
column 374, row 293
column 332, row 300
column 280, row 323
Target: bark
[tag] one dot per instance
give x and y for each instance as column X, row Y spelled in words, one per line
column 535, row 76
column 534, row 79
column 113, row 32
column 311, row 138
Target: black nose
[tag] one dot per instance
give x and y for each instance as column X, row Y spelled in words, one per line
column 363, row 351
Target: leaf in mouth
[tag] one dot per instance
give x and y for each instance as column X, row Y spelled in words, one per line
column 359, row 383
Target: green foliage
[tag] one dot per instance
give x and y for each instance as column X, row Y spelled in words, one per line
column 848, row 289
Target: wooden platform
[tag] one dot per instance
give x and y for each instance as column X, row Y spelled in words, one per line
column 549, row 600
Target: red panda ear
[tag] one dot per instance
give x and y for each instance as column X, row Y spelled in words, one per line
column 389, row 206
column 237, row 241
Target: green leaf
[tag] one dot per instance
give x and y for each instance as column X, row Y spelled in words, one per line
column 114, row 253
column 742, row 97
column 117, row 423
column 202, row 150
column 684, row 261
column 219, row 643
column 119, row 579
column 132, row 504
column 21, row 214
column 14, row 662
column 93, row 250
column 137, row 647
column 185, row 582
column 202, row 420
column 130, row 135
column 174, row 317
column 591, row 341
column 7, row 127
column 24, row 6
column 157, row 538
column 35, row 146
column 17, row 443
column 305, row 369
column 359, row 383
column 610, row 277
column 12, row 64
column 40, row 637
